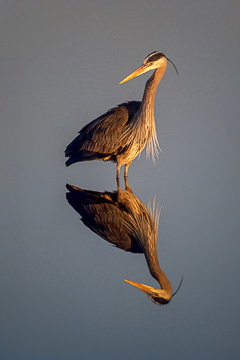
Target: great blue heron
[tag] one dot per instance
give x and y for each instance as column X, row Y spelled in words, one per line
column 123, row 220
column 122, row 132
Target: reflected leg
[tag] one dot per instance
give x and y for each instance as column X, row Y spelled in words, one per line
column 118, row 184
column 127, row 187
column 126, row 169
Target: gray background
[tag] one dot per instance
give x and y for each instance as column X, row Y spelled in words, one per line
column 62, row 289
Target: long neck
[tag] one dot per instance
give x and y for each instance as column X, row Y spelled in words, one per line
column 155, row 270
column 145, row 121
column 150, row 90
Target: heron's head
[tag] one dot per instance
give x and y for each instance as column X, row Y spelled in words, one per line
column 158, row 296
column 153, row 61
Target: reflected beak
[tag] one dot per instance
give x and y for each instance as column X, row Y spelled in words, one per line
column 158, row 296
column 145, row 288
column 141, row 70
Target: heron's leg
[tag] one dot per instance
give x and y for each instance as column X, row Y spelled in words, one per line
column 126, row 169
column 118, row 184
column 118, row 170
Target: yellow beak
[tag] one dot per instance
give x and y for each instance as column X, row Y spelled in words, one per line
column 145, row 288
column 141, row 70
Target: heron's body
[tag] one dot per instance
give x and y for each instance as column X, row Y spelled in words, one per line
column 103, row 138
column 122, row 133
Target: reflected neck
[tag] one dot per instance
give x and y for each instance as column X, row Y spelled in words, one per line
column 157, row 272
column 164, row 282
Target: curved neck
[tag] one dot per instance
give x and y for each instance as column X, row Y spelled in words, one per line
column 164, row 282
column 151, row 87
column 155, row 270
column 144, row 120
column 159, row 275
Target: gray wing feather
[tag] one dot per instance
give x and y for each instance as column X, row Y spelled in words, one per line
column 102, row 135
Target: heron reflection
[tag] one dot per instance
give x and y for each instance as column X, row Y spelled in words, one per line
column 123, row 220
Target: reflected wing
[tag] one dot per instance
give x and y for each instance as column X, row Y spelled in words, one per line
column 102, row 213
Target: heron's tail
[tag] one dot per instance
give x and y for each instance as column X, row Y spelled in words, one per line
column 83, row 155
column 71, row 161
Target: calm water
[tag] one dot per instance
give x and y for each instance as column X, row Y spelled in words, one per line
column 63, row 294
